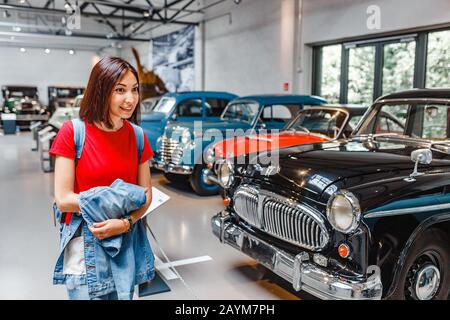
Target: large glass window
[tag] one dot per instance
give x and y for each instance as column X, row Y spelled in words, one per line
column 331, row 73
column 367, row 69
column 398, row 66
column 361, row 71
column 438, row 60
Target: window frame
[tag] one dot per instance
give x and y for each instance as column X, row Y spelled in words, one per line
column 420, row 59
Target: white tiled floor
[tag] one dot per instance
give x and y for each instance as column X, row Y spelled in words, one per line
column 29, row 240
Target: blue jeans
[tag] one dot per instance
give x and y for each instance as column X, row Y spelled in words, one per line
column 78, row 291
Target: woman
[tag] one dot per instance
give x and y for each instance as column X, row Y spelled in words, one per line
column 109, row 153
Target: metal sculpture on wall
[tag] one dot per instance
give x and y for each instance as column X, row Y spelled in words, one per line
column 151, row 84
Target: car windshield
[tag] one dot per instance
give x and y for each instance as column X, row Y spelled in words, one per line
column 24, row 93
column 415, row 120
column 165, row 105
column 243, row 111
column 148, row 105
column 322, row 121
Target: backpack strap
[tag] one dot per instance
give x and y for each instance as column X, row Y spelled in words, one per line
column 79, row 131
column 139, row 133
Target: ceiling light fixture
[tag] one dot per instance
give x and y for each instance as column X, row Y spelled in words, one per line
column 22, row 50
column 71, row 52
column 47, row 50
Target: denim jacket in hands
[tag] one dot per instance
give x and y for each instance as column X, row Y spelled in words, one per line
column 102, row 203
column 134, row 261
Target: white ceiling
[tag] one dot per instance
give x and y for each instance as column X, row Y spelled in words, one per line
column 34, row 22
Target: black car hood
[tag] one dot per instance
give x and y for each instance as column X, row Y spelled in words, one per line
column 313, row 170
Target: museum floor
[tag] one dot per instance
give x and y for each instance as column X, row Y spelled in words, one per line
column 29, row 239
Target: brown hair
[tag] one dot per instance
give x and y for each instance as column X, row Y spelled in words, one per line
column 95, row 104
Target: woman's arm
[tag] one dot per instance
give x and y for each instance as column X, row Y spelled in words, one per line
column 144, row 180
column 66, row 199
column 112, row 227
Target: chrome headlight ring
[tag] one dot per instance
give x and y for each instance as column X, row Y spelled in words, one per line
column 344, row 211
column 225, row 174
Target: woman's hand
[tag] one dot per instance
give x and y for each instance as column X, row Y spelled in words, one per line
column 108, row 228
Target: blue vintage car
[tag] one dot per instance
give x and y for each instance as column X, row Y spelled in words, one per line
column 183, row 107
column 180, row 151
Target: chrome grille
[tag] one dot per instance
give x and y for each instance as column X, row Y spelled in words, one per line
column 281, row 218
column 170, row 152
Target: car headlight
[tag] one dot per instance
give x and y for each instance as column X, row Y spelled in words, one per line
column 343, row 211
column 185, row 137
column 209, row 155
column 225, row 174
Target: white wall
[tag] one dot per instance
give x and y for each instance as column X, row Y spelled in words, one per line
column 36, row 68
column 253, row 52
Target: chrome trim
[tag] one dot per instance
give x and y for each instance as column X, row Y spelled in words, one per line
column 171, row 168
column 281, row 217
column 427, row 282
column 356, row 210
column 230, row 166
column 397, row 212
column 298, row 270
column 170, row 151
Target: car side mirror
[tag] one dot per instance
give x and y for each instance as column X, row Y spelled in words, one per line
column 174, row 117
column 422, row 156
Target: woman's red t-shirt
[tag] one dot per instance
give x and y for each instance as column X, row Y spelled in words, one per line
column 106, row 156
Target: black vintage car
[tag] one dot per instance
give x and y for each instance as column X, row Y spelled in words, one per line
column 363, row 218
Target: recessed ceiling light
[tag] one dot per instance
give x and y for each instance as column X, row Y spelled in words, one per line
column 22, row 50
column 47, row 51
column 72, row 52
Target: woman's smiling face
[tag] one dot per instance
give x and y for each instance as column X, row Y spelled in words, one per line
column 124, row 97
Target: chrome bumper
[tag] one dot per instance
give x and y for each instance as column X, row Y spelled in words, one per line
column 298, row 270
column 171, row 168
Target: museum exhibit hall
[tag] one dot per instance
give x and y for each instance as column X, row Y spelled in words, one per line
column 217, row 150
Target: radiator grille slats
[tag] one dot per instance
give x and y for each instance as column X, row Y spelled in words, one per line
column 170, row 152
column 280, row 217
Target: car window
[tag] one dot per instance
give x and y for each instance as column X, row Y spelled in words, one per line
column 279, row 113
column 243, row 111
column 215, row 107
column 190, row 108
column 435, row 121
column 353, row 122
column 321, row 121
column 391, row 119
column 165, row 105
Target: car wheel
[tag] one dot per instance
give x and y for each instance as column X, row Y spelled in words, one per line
column 176, row 178
column 200, row 183
column 426, row 272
